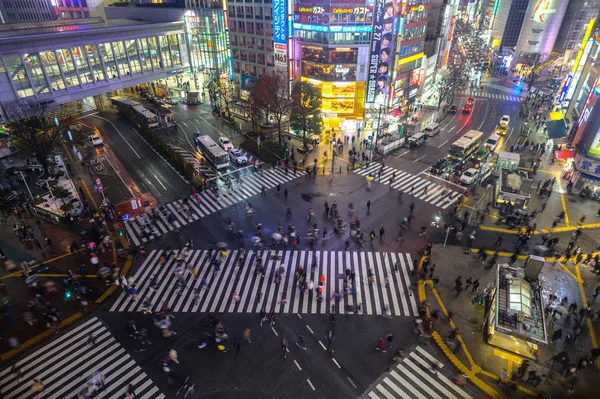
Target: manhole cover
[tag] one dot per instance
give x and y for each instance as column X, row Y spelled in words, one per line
column 306, row 197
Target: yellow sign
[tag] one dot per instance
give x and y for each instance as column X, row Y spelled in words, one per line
column 410, row 59
column 586, row 37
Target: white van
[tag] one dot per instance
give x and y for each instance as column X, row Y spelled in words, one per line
column 432, row 129
column 416, row 140
column 492, row 142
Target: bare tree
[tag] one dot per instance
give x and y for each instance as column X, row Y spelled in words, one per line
column 36, row 132
column 227, row 93
column 271, row 95
column 449, row 82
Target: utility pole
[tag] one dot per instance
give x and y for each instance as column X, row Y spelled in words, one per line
column 374, row 147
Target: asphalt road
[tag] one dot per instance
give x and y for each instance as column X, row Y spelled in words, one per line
column 147, row 169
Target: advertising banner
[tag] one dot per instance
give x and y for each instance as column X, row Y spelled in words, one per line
column 280, row 55
column 384, row 17
column 280, row 21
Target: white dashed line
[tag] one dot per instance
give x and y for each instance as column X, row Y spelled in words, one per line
column 275, row 331
column 309, row 329
column 336, row 363
column 311, row 385
column 322, row 346
column 297, row 365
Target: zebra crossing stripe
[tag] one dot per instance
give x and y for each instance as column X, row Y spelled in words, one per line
column 65, row 365
column 390, row 288
column 140, row 229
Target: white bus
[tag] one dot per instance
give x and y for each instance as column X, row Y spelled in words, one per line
column 466, row 146
column 212, row 151
column 126, row 105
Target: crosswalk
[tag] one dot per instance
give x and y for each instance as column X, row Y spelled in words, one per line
column 413, row 377
column 493, row 96
column 420, row 188
column 237, row 288
column 65, row 365
column 141, row 229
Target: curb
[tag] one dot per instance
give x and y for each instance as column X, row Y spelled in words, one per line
column 13, row 352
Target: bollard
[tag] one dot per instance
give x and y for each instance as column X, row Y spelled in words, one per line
column 340, row 169
column 323, row 169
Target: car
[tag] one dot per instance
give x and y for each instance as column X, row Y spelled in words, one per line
column 96, row 140
column 238, row 156
column 505, row 120
column 453, row 109
column 467, row 109
column 225, row 143
column 470, row 101
column 146, row 94
column 459, row 168
column 468, row 177
column 441, row 167
column 157, row 101
column 171, row 100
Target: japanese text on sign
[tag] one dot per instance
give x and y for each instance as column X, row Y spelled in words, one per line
column 279, row 21
column 384, row 19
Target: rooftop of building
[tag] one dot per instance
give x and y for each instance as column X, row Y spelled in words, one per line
column 519, row 304
column 61, row 27
column 515, row 182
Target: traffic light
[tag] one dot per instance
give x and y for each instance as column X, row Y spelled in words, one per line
column 120, row 233
column 68, row 294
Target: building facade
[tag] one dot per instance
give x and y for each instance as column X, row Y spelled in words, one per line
column 19, row 11
column 577, row 16
column 57, row 66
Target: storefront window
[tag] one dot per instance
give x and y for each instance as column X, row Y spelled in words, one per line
column 80, row 59
column 109, row 60
column 166, row 55
column 121, row 57
column 38, row 80
column 66, row 61
column 145, row 54
column 49, row 61
column 94, row 58
column 134, row 60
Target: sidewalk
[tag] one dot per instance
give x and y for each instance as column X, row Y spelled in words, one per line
column 492, row 364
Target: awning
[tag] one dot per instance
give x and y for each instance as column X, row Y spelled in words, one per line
column 396, row 113
column 556, row 129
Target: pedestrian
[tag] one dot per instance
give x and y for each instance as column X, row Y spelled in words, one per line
column 247, row 335
column 37, row 385
column 130, row 393
column 390, row 340
column 381, row 345
column 556, row 335
column 475, row 285
column 523, row 368
column 531, row 376
column 38, row 244
column 263, row 316
column 381, row 233
column 368, row 206
column 278, row 188
column 285, row 193
column 173, row 355
column 469, row 282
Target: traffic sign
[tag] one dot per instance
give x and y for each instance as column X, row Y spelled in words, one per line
column 126, row 217
column 370, row 137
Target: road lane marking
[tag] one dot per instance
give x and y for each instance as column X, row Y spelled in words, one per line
column 336, row 363
column 118, row 131
column 322, row 346
column 453, row 127
column 277, row 335
column 311, row 385
column 299, row 316
column 297, row 365
column 163, row 186
column 404, row 153
column 309, row 329
column 119, row 174
column 418, row 159
column 351, row 382
column 160, row 156
column 440, row 146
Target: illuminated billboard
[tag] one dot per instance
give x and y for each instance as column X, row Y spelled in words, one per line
column 280, row 32
column 384, row 19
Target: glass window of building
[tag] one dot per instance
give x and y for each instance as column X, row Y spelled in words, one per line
column 175, row 54
column 16, row 72
column 109, row 60
column 164, row 47
column 94, row 59
column 154, row 51
column 145, row 54
column 132, row 52
column 66, row 61
column 38, row 80
column 121, row 58
column 80, row 60
column 49, row 60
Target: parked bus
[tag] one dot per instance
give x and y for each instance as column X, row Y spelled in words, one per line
column 212, row 151
column 465, row 146
column 126, row 105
